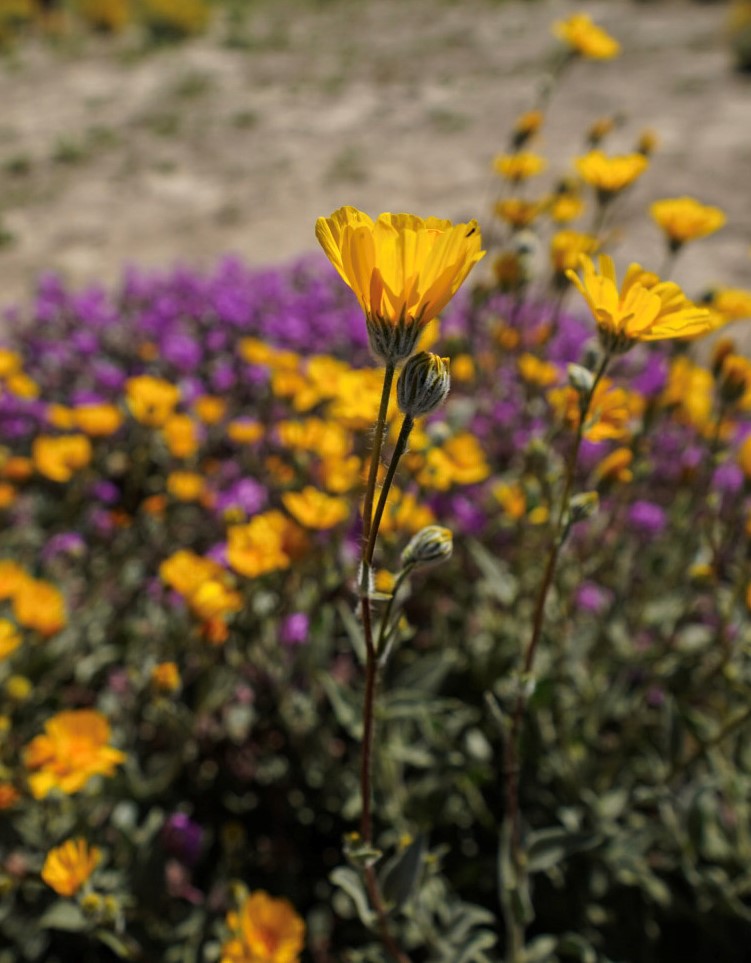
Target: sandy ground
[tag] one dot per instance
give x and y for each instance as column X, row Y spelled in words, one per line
column 109, row 154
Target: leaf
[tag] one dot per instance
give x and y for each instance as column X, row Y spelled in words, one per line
column 64, row 915
column 471, row 950
column 401, row 874
column 574, row 945
column 123, row 947
column 354, row 630
column 547, row 848
column 496, row 574
column 345, row 711
column 540, row 950
column 348, row 881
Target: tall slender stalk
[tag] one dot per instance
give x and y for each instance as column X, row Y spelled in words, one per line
column 511, row 836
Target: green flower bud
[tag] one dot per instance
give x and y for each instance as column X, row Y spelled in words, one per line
column 580, row 378
column 423, row 384
column 583, row 506
column 431, row 546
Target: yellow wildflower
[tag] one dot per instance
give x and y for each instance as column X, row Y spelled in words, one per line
column 340, row 475
column 39, row 606
column 460, row 461
column 744, row 457
column 22, row 386
column 18, row 688
column 151, row 400
column 730, row 304
column 58, row 458
column 585, row 38
column 267, row 543
column 10, row 362
column 8, row 495
column 209, row 409
column 69, row 866
column 166, row 677
column 608, row 175
column 180, row 434
column 60, row 416
column 185, row 572
column 185, row 486
column 645, row 309
column 526, row 126
column 18, row 469
column 537, row 372
column 265, row 930
column 12, row 577
column 518, row 212
column 567, row 248
column 404, row 270
column 511, row 498
column 73, row 748
column 520, row 166
column 689, row 392
column 612, row 410
column 648, row 142
column 405, row 514
column 9, row 638
column 245, row 431
column 9, row 795
column 566, row 205
column 615, row 467
column 97, row 420
column 685, row 219
column 213, row 599
column 314, row 509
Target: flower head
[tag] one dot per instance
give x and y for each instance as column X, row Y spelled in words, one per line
column 68, row 867
column 686, row 219
column 585, row 38
column 645, row 308
column 265, row 930
column 73, row 748
column 404, row 270
column 609, row 175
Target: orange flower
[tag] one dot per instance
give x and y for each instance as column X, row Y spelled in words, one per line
column 166, row 677
column 69, row 866
column 73, row 748
column 265, row 930
column 58, row 458
column 97, row 420
column 9, row 795
column 151, row 400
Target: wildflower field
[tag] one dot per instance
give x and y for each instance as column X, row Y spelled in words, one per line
column 391, row 604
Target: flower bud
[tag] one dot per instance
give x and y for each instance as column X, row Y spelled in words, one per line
column 423, row 384
column 583, row 506
column 430, row 546
column 581, row 379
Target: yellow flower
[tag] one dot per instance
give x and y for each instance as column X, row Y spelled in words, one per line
column 213, row 599
column 265, row 930
column 267, row 543
column 185, row 486
column 404, row 270
column 645, row 309
column 536, row 371
column 58, row 458
column 686, row 219
column 610, row 174
column 9, row 795
column 210, row 409
column 151, row 400
column 18, row 688
column 166, row 677
column 12, row 577
column 566, row 206
column 8, row 495
column 511, row 498
column 615, row 467
column 460, row 461
column 22, row 386
column 520, row 166
column 731, row 304
column 10, row 363
column 517, row 212
column 60, row 416
column 245, row 431
column 97, row 420
column 72, row 749
column 744, row 457
column 526, row 126
column 689, row 392
column 180, row 434
column 611, row 411
column 567, row 247
column 69, row 866
column 585, row 38
column 314, row 509
column 17, row 468
column 9, row 638
column 39, row 606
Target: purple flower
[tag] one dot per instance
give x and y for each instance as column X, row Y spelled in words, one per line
column 294, row 629
column 647, row 519
column 728, row 478
column 65, row 543
column 182, row 838
column 246, row 495
column 593, row 598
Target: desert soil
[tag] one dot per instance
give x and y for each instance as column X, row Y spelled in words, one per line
column 112, row 154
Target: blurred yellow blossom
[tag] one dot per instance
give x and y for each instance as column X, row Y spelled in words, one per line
column 612, row 410
column 245, row 431
column 165, row 676
column 180, row 434
column 685, row 219
column 520, row 166
column 185, row 486
column 608, row 175
column 209, row 409
column 58, row 458
column 73, row 748
column 151, row 400
column 97, row 420
column 267, row 543
column 264, row 930
column 314, row 509
column 567, row 247
column 39, row 606
column 536, row 371
column 689, row 392
column 460, row 461
column 615, row 467
column 9, row 638
column 69, row 866
column 585, row 38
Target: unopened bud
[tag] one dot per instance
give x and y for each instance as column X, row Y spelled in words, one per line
column 734, row 378
column 423, row 384
column 432, row 545
column 583, row 506
column 580, row 378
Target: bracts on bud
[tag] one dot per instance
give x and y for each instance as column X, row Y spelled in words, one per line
column 423, row 384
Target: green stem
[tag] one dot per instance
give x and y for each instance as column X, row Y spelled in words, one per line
column 512, row 835
column 399, row 449
column 380, row 428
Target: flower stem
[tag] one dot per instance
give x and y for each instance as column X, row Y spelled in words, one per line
column 512, row 836
column 399, row 449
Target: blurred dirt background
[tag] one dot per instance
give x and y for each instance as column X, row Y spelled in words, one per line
column 237, row 141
